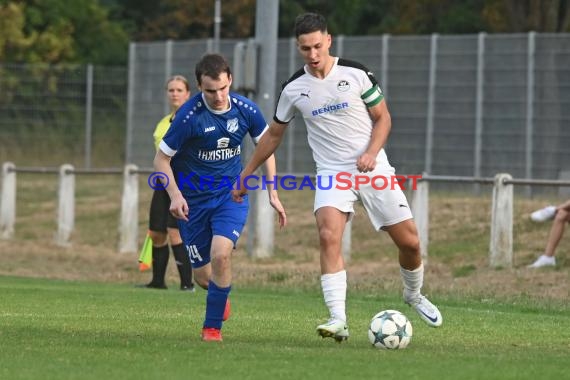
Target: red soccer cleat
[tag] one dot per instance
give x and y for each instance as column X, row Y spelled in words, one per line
column 227, row 311
column 210, row 334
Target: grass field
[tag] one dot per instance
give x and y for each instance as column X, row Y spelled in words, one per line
column 73, row 313
column 79, row 330
column 458, row 259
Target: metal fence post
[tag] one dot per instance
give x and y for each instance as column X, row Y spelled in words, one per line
column 66, row 205
column 420, row 208
column 168, row 73
column 529, row 128
column 131, row 91
column 501, row 244
column 479, row 104
column 88, row 116
column 385, row 63
column 339, row 45
column 290, row 153
column 266, row 17
column 128, row 229
column 431, row 103
column 8, row 201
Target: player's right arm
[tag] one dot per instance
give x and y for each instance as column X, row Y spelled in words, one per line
column 564, row 206
column 178, row 205
column 171, row 142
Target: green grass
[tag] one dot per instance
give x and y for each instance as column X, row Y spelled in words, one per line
column 499, row 324
column 78, row 330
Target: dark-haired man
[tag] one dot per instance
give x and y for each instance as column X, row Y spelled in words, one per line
column 204, row 139
column 348, row 124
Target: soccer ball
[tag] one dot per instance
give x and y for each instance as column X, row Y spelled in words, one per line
column 390, row 329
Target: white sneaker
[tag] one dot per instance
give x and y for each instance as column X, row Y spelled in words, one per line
column 427, row 311
column 334, row 328
column 543, row 261
column 543, row 214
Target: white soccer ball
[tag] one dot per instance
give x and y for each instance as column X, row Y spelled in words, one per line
column 390, row 329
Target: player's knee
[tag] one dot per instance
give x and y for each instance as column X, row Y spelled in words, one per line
column 220, row 258
column 562, row 216
column 158, row 238
column 410, row 247
column 327, row 236
column 174, row 236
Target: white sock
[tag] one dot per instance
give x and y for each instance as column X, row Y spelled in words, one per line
column 413, row 282
column 334, row 292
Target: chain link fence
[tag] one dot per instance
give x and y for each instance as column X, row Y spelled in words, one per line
column 54, row 114
column 467, row 105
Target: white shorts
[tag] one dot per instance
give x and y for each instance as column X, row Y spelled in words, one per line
column 382, row 198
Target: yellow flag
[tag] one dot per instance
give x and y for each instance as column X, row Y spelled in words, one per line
column 145, row 257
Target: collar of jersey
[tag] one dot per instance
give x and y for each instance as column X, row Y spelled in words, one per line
column 215, row 111
column 333, row 67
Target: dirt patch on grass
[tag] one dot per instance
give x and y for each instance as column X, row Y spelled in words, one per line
column 458, row 246
column 88, row 263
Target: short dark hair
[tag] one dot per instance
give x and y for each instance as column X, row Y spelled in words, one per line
column 212, row 65
column 309, row 23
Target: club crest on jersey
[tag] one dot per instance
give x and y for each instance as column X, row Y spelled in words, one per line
column 232, row 125
column 343, row 86
column 223, row 142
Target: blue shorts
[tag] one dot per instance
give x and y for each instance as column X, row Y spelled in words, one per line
column 217, row 216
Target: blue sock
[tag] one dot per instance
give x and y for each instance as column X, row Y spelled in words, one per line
column 215, row 305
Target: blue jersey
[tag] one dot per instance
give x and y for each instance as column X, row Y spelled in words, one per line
column 206, row 145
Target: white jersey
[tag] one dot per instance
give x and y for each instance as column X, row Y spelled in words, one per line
column 335, row 110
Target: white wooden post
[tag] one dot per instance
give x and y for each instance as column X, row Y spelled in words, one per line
column 66, row 205
column 128, row 229
column 501, row 245
column 420, row 208
column 264, row 225
column 8, row 201
column 347, row 241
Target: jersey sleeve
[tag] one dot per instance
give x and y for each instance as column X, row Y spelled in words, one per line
column 285, row 110
column 258, row 125
column 371, row 94
column 180, row 130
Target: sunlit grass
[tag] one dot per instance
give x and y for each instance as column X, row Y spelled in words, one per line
column 71, row 330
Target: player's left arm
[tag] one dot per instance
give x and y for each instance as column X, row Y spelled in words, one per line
column 271, row 174
column 381, row 126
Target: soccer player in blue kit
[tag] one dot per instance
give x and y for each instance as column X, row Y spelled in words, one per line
column 204, row 143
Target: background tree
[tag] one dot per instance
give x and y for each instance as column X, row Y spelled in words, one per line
column 358, row 17
column 151, row 20
column 23, row 38
column 98, row 31
column 55, row 31
column 512, row 16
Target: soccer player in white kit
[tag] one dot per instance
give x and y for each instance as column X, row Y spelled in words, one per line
column 348, row 124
